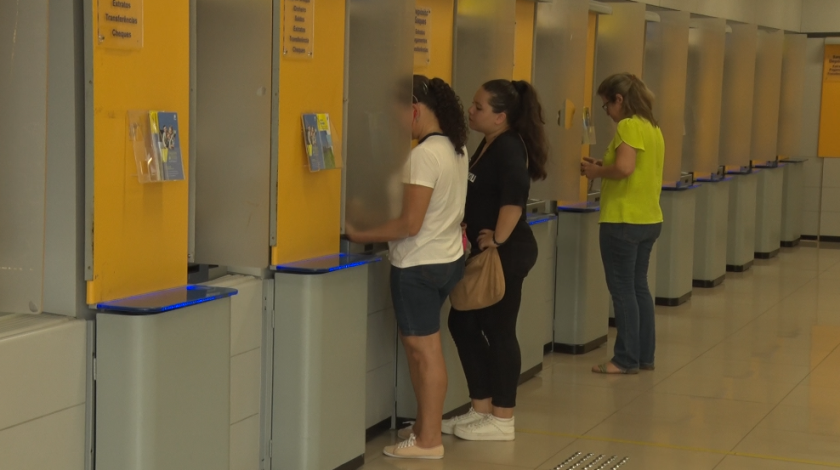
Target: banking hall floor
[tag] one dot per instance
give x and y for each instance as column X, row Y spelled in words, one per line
column 747, row 377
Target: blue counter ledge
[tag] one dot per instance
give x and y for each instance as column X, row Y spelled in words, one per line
column 580, row 207
column 771, row 166
column 536, row 219
column 166, row 300
column 680, row 188
column 739, row 172
column 710, row 180
column 327, row 264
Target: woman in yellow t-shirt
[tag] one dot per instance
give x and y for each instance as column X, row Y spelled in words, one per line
column 631, row 219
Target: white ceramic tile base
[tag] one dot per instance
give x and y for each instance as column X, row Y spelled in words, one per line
column 245, row 444
column 53, row 442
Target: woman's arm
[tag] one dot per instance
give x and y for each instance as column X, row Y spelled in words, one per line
column 416, row 200
column 508, row 218
column 625, row 165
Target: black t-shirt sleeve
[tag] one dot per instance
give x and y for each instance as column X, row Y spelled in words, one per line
column 513, row 180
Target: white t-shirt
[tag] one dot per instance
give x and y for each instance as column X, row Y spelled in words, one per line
column 435, row 164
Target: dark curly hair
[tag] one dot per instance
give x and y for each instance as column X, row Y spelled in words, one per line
column 519, row 100
column 441, row 99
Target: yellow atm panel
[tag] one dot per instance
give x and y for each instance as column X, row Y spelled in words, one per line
column 309, row 203
column 523, row 59
column 441, row 32
column 829, row 143
column 137, row 233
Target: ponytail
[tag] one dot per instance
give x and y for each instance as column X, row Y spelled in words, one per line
column 441, row 99
column 638, row 99
column 519, row 100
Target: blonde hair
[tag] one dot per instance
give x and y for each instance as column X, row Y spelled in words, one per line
column 638, row 99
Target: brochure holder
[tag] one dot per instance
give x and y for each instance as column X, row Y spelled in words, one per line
column 323, row 151
column 155, row 140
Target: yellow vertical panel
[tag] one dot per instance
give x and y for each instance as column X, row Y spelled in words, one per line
column 309, row 204
column 139, row 230
column 588, row 87
column 442, row 30
column 829, row 143
column 523, row 60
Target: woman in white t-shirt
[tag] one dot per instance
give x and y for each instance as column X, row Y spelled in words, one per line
column 427, row 252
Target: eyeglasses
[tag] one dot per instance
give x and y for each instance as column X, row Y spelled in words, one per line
column 605, row 105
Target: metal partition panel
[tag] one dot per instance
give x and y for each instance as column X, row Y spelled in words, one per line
column 737, row 105
column 64, row 286
column 704, row 87
column 381, row 61
column 666, row 66
column 559, row 66
column 233, row 132
column 791, row 108
column 767, row 89
column 23, row 133
column 484, row 43
column 620, row 48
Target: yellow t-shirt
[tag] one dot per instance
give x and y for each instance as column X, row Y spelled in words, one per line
column 635, row 199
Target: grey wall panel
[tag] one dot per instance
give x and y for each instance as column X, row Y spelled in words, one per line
column 620, row 48
column 23, row 133
column 812, row 99
column 233, row 132
column 64, row 286
column 559, row 66
column 484, row 45
column 378, row 112
column 706, row 45
column 665, row 70
column 768, row 85
column 791, row 106
column 737, row 105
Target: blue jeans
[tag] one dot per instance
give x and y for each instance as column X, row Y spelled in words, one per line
column 625, row 251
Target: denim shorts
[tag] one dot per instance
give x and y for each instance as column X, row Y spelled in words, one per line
column 419, row 292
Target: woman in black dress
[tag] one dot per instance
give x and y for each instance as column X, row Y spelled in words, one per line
column 512, row 154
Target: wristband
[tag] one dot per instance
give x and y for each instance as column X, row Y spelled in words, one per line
column 497, row 243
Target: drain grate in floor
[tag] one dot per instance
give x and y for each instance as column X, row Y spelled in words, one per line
column 578, row 461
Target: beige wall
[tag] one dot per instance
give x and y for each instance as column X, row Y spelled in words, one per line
column 820, row 16
column 781, row 14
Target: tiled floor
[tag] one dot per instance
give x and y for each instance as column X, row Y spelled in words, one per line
column 747, row 377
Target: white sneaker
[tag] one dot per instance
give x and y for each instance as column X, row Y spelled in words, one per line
column 406, row 432
column 490, row 428
column 448, row 425
column 408, row 449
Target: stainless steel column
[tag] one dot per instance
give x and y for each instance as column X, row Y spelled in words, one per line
column 740, row 240
column 792, row 189
column 768, row 216
column 581, row 311
column 674, row 272
column 163, row 386
column 319, row 369
column 537, row 297
column 710, row 228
